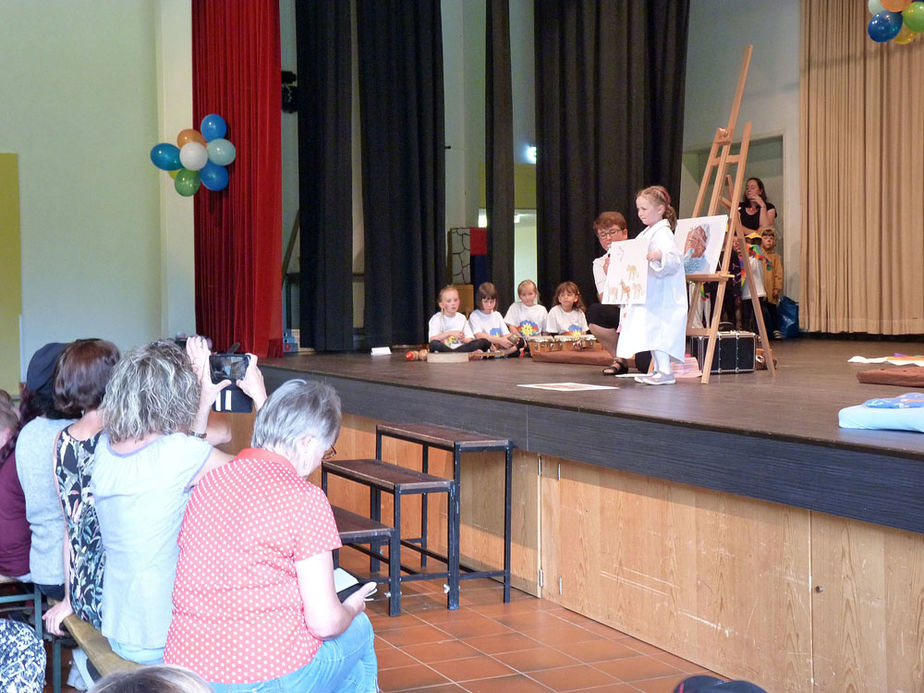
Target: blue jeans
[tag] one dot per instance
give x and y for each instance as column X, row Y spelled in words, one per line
column 346, row 663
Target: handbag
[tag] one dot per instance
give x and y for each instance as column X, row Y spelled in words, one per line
column 788, row 313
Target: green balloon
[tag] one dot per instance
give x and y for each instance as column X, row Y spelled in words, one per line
column 913, row 17
column 187, row 182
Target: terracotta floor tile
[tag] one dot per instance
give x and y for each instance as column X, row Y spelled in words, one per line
column 392, row 657
column 529, row 619
column 413, row 636
column 515, row 606
column 507, row 684
column 442, row 651
column 473, row 668
column 407, row 678
column 442, row 688
column 444, row 615
column 616, row 688
column 384, row 622
column 665, row 684
column 574, row 678
column 473, row 627
column 643, row 647
column 536, row 659
column 561, row 634
column 597, row 650
column 632, row 669
column 502, row 642
column 678, row 662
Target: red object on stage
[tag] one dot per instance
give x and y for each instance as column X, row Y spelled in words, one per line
column 478, row 240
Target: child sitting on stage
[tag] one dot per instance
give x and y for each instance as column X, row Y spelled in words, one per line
column 660, row 323
column 488, row 324
column 448, row 330
column 567, row 315
column 526, row 317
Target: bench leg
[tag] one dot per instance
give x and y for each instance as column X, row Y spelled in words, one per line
column 37, row 605
column 375, row 513
column 452, row 546
column 394, row 574
column 56, row 665
column 508, row 501
column 425, row 468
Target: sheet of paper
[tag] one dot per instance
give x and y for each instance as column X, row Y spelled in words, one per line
column 569, row 387
column 627, row 276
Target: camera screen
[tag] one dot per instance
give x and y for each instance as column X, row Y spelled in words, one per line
column 228, row 366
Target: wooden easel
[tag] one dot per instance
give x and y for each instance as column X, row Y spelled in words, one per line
column 721, row 161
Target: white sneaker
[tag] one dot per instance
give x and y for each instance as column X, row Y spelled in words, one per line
column 659, row 379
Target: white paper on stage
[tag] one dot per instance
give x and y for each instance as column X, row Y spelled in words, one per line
column 627, row 276
column 569, row 387
column 699, row 241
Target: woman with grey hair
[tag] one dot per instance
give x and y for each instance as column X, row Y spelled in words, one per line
column 254, row 600
column 153, row 451
column 154, row 679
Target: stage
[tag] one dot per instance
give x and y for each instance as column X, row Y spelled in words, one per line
column 733, row 524
column 768, row 437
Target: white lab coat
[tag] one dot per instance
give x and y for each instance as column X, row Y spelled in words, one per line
column 661, row 323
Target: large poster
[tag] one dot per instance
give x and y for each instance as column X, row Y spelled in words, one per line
column 627, row 275
column 699, row 242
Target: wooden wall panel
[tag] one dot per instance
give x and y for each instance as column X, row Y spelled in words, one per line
column 717, row 579
column 869, row 617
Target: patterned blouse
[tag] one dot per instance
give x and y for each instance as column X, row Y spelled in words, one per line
column 73, row 467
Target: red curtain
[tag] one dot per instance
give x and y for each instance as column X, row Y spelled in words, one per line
column 238, row 236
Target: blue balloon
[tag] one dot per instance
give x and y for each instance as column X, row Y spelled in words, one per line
column 166, row 156
column 214, row 177
column 884, row 26
column 213, row 126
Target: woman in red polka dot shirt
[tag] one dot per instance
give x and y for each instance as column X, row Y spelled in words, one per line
column 255, row 607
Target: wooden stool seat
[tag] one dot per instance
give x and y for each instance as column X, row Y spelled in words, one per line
column 387, row 477
column 356, row 529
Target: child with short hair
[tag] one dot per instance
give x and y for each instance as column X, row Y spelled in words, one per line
column 448, row 330
column 773, row 278
column 526, row 318
column 660, row 323
column 487, row 323
column 567, row 315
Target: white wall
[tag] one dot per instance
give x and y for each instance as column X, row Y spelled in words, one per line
column 79, row 84
column 719, row 32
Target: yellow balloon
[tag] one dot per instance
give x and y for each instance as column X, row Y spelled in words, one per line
column 904, row 36
column 173, row 173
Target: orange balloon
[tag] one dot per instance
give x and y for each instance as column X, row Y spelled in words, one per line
column 189, row 135
column 904, row 36
column 895, row 5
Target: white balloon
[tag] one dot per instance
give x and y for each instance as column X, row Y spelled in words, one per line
column 193, row 156
column 875, row 6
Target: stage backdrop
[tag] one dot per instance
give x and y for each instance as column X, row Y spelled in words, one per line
column 609, row 120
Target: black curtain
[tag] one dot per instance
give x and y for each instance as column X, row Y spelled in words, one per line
column 499, row 148
column 325, row 174
column 401, row 107
column 609, row 121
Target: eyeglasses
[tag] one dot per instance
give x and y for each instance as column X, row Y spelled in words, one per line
column 609, row 233
column 330, row 454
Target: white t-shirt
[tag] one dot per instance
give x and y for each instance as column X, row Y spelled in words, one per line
column 490, row 323
column 529, row 320
column 560, row 322
column 757, row 270
column 440, row 323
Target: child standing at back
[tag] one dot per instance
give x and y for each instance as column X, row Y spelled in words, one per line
column 526, row 317
column 448, row 330
column 660, row 323
column 488, row 324
column 567, row 315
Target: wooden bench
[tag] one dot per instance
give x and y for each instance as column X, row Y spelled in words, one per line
column 27, row 595
column 101, row 659
column 457, row 442
column 356, row 529
column 399, row 481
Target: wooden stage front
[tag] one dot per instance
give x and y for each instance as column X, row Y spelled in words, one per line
column 733, row 523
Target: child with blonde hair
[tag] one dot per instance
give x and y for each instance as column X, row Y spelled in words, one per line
column 660, row 323
column 567, row 315
column 448, row 330
column 526, row 318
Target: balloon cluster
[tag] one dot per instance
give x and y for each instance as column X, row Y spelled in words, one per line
column 199, row 157
column 898, row 20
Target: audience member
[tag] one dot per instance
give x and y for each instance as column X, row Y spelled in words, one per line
column 755, row 265
column 254, row 601
column 153, row 679
column 22, row 658
column 773, row 278
column 151, row 454
column 41, row 423
column 754, row 211
column 15, row 535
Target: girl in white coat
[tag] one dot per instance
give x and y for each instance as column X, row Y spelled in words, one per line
column 660, row 323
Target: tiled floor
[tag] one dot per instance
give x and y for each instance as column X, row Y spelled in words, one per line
column 527, row 645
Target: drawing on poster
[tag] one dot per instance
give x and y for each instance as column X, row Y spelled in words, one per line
column 627, row 276
column 699, row 241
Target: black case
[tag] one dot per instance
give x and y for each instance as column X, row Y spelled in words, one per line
column 734, row 351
